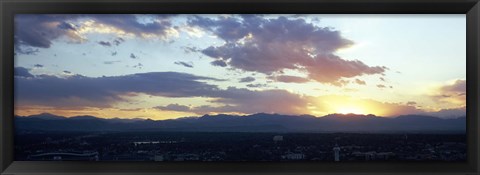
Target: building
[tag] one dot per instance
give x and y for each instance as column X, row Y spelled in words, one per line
column 336, row 153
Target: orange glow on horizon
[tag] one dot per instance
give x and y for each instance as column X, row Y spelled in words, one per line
column 145, row 113
column 350, row 110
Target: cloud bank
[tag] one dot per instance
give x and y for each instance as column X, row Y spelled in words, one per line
column 271, row 45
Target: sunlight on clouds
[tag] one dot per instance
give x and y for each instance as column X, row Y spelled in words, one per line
column 350, row 110
column 90, row 26
column 329, row 104
column 245, row 39
column 193, row 31
column 450, row 94
column 72, row 36
column 340, row 104
column 169, row 33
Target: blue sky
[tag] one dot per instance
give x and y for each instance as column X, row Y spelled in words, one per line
column 145, row 65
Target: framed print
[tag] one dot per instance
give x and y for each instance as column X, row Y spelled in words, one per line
column 258, row 87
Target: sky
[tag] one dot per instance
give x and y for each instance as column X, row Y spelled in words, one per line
column 170, row 66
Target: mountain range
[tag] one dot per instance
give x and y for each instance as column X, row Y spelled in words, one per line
column 260, row 122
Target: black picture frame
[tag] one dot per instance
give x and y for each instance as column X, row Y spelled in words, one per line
column 8, row 8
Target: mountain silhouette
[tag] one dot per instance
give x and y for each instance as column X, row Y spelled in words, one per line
column 260, row 122
column 47, row 116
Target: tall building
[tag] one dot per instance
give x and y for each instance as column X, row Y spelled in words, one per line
column 336, row 153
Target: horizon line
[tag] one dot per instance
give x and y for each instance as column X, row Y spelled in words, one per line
column 244, row 115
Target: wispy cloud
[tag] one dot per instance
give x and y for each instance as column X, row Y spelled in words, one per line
column 105, row 43
column 289, row 79
column 111, row 62
column 173, row 107
column 185, row 64
column 246, row 80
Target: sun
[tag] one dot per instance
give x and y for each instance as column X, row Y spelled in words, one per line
column 350, row 110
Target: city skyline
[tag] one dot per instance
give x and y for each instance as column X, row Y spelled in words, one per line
column 171, row 66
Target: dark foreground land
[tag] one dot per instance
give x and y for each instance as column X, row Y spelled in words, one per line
column 224, row 146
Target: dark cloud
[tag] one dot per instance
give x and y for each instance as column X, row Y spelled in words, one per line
column 38, row 66
column 190, row 49
column 114, row 53
column 340, row 83
column 381, row 86
column 227, row 28
column 360, row 82
column 411, row 103
column 331, row 68
column 111, row 62
column 256, row 85
column 247, row 101
column 39, row 30
column 130, row 23
column 133, row 109
column 185, row 64
column 105, row 43
column 289, row 79
column 246, row 80
column 22, row 72
column 67, row 72
column 220, row 63
column 139, row 65
column 118, row 41
column 79, row 90
column 271, row 101
column 382, row 79
column 272, row 45
column 66, row 26
column 173, row 107
column 133, row 56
